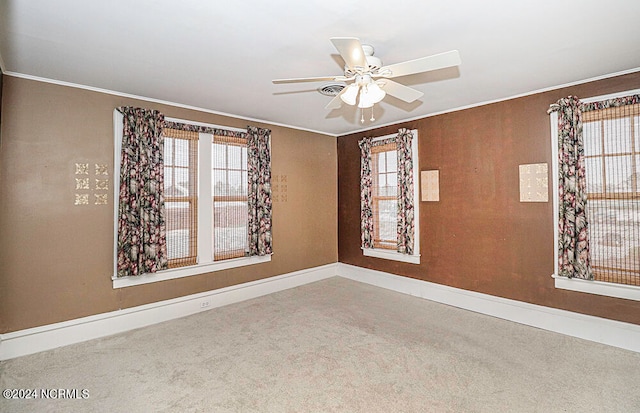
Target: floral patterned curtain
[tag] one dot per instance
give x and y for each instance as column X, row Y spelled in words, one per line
column 366, row 203
column 259, row 194
column 142, row 244
column 405, row 192
column 405, row 221
column 573, row 240
column 611, row 103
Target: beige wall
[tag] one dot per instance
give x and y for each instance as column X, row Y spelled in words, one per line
column 480, row 237
column 56, row 258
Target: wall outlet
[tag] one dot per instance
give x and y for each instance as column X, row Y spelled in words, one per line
column 204, row 304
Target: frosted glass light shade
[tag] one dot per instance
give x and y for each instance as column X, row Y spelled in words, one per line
column 370, row 95
column 350, row 95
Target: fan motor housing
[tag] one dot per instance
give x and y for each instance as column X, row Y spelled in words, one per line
column 374, row 63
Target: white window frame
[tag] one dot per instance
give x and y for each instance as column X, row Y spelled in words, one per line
column 392, row 254
column 205, row 263
column 629, row 292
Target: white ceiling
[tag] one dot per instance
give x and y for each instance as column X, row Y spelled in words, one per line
column 221, row 56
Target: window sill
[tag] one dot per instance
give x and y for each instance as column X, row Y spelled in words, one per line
column 187, row 271
column 391, row 255
column 628, row 292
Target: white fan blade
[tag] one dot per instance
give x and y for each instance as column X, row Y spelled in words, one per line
column 351, row 51
column 310, row 79
column 336, row 102
column 424, row 64
column 402, row 92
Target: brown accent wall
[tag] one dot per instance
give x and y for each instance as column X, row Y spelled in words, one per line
column 56, row 258
column 479, row 237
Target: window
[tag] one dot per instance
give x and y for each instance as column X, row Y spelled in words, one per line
column 389, row 215
column 206, row 199
column 611, row 144
column 385, row 196
column 230, row 213
column 181, row 196
column 612, row 164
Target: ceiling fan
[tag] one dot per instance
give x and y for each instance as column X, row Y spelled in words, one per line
column 370, row 80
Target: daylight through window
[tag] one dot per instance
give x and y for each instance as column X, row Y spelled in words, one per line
column 199, row 192
column 385, row 196
column 612, row 163
column 229, row 179
column 181, row 196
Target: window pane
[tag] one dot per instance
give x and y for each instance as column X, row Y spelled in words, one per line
column 392, row 161
column 168, row 151
column 636, row 131
column 382, row 162
column 613, row 241
column 177, row 188
column 595, row 180
column 381, row 182
column 230, row 228
column 235, row 183
column 219, row 182
column 392, row 181
column 234, row 157
column 178, row 223
column 617, row 135
column 178, row 244
column 219, row 155
column 618, row 173
column 388, row 220
column 592, row 138
column 637, row 166
column 181, row 152
column 244, row 183
column 388, row 185
column 168, row 177
column 182, row 180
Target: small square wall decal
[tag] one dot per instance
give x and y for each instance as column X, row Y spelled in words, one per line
column 430, row 185
column 102, row 184
column 82, row 199
column 101, row 199
column 534, row 182
column 101, row 169
column 82, row 169
column 82, row 183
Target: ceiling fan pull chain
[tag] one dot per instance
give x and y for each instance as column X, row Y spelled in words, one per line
column 362, row 115
column 372, row 118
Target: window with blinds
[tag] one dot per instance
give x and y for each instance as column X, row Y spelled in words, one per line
column 612, row 163
column 206, row 196
column 229, row 196
column 384, row 160
column 229, row 180
column 181, row 196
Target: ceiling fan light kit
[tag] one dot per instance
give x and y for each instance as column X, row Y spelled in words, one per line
column 370, row 95
column 364, row 92
column 362, row 68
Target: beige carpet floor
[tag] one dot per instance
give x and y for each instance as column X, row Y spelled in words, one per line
column 332, row 346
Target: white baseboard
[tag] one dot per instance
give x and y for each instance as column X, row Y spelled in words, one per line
column 33, row 340
column 600, row 330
